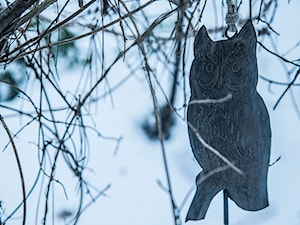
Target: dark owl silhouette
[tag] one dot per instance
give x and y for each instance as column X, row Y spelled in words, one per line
column 239, row 128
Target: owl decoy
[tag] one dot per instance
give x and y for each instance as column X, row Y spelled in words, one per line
column 238, row 128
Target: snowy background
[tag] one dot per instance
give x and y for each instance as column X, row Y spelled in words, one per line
column 133, row 168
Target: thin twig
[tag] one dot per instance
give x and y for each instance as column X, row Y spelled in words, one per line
column 287, row 88
column 19, row 167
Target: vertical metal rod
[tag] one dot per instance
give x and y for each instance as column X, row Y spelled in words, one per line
column 250, row 9
column 225, row 195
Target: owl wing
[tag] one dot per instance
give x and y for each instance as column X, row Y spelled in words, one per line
column 242, row 134
column 252, row 156
column 208, row 183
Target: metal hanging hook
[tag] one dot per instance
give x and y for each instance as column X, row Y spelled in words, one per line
column 232, row 17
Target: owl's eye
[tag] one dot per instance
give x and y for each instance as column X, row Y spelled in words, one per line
column 236, row 67
column 237, row 78
column 207, row 74
column 209, row 67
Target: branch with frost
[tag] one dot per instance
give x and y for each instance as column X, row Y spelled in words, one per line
column 206, row 145
column 215, row 151
column 211, row 101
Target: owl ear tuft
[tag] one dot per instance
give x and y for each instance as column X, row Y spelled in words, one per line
column 247, row 32
column 202, row 40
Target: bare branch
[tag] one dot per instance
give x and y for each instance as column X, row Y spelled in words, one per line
column 12, row 13
column 19, row 167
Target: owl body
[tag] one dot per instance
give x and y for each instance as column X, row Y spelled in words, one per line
column 238, row 128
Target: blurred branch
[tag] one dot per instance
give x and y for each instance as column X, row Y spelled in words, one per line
column 35, row 11
column 11, row 14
